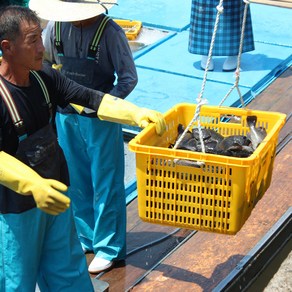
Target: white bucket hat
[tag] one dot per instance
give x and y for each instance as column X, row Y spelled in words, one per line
column 70, row 10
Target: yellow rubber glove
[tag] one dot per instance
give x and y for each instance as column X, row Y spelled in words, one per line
column 117, row 110
column 57, row 67
column 22, row 179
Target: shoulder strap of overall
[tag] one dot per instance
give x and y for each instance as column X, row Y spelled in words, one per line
column 58, row 42
column 45, row 91
column 93, row 44
column 12, row 109
column 96, row 39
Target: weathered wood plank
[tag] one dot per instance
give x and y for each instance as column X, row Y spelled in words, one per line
column 139, row 234
column 207, row 258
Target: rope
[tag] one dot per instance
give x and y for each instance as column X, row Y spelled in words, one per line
column 237, row 71
column 200, row 100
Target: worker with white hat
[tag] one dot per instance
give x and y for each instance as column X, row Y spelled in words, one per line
column 90, row 48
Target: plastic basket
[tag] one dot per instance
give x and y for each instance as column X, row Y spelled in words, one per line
column 216, row 197
column 130, row 27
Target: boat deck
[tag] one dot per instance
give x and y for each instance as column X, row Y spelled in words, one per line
column 162, row 258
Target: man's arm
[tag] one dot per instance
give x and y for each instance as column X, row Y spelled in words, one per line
column 107, row 106
column 124, row 65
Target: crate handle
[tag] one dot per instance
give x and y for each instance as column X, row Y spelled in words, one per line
column 188, row 162
column 228, row 118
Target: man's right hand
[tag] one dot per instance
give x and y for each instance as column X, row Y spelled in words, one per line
column 23, row 180
column 47, row 195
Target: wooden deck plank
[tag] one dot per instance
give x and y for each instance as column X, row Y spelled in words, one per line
column 207, row 258
column 276, row 97
column 139, row 233
column 124, row 276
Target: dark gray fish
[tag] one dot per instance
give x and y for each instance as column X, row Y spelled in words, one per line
column 190, row 145
column 207, row 134
column 210, row 146
column 236, row 150
column 187, row 143
column 256, row 134
column 235, row 145
column 215, row 143
column 210, row 137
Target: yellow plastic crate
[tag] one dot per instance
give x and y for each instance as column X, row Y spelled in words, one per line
column 130, row 27
column 220, row 195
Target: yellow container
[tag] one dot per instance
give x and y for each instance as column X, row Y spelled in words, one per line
column 216, row 197
column 130, row 27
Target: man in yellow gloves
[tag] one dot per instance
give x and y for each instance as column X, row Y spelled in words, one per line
column 38, row 247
